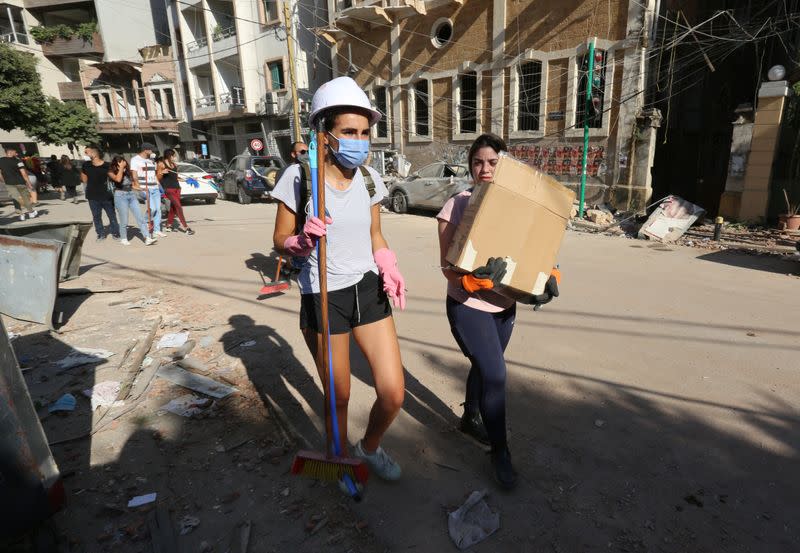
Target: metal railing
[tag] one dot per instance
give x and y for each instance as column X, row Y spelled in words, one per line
column 198, row 44
column 224, row 33
column 18, row 38
column 205, row 102
column 235, row 97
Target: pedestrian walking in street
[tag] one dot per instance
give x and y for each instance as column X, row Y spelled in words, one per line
column 94, row 175
column 362, row 271
column 18, row 184
column 143, row 172
column 167, row 174
column 482, row 320
column 125, row 200
column 69, row 178
column 54, row 175
column 35, row 177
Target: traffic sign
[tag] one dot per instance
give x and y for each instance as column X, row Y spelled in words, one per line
column 256, row 145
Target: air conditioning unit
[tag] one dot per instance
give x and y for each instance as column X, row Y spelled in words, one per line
column 270, row 104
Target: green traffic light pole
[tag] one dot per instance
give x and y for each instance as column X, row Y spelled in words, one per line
column 588, row 105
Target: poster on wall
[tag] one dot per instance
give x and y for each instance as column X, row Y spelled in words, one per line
column 562, row 160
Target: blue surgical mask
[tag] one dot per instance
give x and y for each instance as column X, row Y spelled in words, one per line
column 352, row 153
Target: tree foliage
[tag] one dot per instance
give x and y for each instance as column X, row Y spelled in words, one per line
column 22, row 103
column 66, row 123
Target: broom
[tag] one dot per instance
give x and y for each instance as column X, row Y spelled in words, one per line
column 313, row 463
column 276, row 285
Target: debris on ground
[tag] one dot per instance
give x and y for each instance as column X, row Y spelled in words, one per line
column 188, row 523
column 473, row 522
column 103, row 394
column 195, row 382
column 671, row 219
column 173, row 340
column 140, row 500
column 188, row 405
column 83, row 356
column 67, row 402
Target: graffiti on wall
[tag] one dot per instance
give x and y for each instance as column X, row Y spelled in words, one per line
column 561, row 159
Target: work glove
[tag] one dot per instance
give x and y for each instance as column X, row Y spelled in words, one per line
column 301, row 245
column 393, row 282
column 550, row 290
column 486, row 277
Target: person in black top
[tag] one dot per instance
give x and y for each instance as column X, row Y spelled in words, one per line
column 94, row 175
column 167, row 174
column 69, row 178
column 15, row 177
column 54, row 174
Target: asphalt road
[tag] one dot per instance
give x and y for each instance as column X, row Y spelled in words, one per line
column 652, row 407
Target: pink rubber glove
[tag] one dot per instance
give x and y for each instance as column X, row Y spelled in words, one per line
column 304, row 243
column 393, row 283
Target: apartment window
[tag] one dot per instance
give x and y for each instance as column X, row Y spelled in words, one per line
column 597, row 106
column 529, row 95
column 468, row 103
column 421, row 109
column 270, row 10
column 275, row 77
column 382, row 128
column 164, row 103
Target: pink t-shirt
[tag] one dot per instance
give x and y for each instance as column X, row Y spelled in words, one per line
column 485, row 300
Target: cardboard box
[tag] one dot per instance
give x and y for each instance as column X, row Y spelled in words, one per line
column 522, row 217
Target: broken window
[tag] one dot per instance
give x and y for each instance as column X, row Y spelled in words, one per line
column 468, row 106
column 382, row 128
column 596, row 105
column 270, row 10
column 529, row 95
column 421, row 109
column 276, row 79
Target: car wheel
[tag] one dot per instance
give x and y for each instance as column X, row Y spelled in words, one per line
column 244, row 198
column 211, row 200
column 399, row 202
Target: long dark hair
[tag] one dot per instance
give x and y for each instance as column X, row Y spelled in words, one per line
column 167, row 157
column 488, row 139
column 115, row 163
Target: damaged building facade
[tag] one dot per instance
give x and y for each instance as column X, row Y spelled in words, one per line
column 445, row 71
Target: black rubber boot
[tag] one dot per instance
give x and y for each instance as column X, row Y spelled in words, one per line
column 472, row 425
column 504, row 471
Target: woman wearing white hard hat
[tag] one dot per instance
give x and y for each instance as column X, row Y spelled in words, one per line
column 361, row 270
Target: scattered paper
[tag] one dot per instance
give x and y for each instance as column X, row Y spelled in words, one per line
column 188, row 405
column 173, row 340
column 473, row 522
column 83, row 356
column 67, row 402
column 195, row 382
column 206, row 341
column 189, row 523
column 103, row 394
column 140, row 500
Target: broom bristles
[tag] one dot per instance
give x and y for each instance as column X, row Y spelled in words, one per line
column 320, row 467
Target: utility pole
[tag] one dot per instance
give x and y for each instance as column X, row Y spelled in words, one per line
column 287, row 19
column 587, row 107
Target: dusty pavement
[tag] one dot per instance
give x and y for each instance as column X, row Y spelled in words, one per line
column 652, row 407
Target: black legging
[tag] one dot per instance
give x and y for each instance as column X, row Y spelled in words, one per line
column 483, row 338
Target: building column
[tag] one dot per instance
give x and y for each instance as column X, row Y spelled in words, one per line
column 730, row 202
column 396, row 91
column 498, row 71
column 766, row 131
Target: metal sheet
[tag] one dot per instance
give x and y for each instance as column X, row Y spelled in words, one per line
column 29, row 278
column 30, row 484
column 71, row 233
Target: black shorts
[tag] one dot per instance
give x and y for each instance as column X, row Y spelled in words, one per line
column 357, row 305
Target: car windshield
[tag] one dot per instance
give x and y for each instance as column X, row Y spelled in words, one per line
column 262, row 164
column 212, row 165
column 189, row 168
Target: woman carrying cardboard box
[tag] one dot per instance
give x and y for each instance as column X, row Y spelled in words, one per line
column 482, row 320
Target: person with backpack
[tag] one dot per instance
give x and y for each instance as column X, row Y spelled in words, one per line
column 362, row 271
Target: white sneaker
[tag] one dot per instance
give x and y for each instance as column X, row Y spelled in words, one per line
column 21, row 216
column 379, row 462
column 149, row 241
column 160, row 234
column 124, row 242
column 33, row 214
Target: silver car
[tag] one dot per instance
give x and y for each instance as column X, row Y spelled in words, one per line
column 429, row 188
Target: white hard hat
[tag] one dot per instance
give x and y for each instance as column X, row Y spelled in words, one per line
column 341, row 92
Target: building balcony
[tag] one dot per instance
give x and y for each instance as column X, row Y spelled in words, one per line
column 197, row 45
column 224, row 33
column 378, row 11
column 233, row 99
column 74, row 47
column 71, row 91
column 40, row 4
column 275, row 103
column 15, row 38
column 121, row 125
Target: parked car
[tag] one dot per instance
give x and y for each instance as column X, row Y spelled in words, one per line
column 428, row 188
column 251, row 177
column 206, row 190
column 214, row 167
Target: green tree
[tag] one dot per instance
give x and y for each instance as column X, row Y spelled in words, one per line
column 66, row 123
column 22, row 103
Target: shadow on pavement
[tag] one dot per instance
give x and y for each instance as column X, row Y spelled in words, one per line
column 759, row 262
